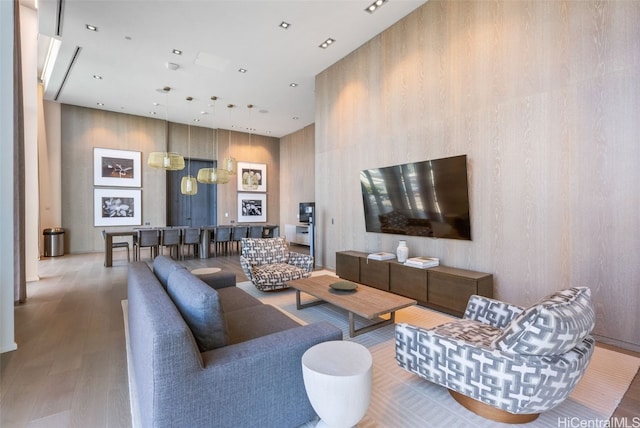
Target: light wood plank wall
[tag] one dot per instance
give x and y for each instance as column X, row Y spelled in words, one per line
column 297, row 178
column 83, row 129
column 543, row 97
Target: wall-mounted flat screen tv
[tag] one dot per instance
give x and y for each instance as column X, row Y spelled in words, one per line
column 428, row 198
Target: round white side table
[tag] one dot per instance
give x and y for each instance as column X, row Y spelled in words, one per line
column 205, row 271
column 337, row 377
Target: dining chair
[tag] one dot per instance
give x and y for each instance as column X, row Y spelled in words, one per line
column 191, row 239
column 222, row 238
column 118, row 244
column 170, row 237
column 255, row 231
column 237, row 233
column 147, row 238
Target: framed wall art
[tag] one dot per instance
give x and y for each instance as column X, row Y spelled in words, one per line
column 252, row 207
column 252, row 177
column 116, row 168
column 117, row 207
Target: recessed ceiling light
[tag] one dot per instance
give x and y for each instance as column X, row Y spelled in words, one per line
column 100, row 104
column 97, row 77
column 327, row 43
column 295, row 118
column 91, row 27
column 177, row 51
column 153, row 113
column 293, row 85
column 196, row 120
column 285, row 25
column 242, row 70
column 375, row 5
column 156, row 104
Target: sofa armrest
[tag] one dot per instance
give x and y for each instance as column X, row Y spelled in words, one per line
column 491, row 311
column 303, row 261
column 253, row 383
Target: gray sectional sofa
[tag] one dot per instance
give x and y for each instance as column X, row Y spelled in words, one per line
column 203, row 353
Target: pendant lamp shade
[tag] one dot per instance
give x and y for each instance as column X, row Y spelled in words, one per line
column 188, row 184
column 213, row 176
column 229, row 164
column 168, row 161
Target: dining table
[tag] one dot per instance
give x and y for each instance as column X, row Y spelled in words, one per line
column 108, row 243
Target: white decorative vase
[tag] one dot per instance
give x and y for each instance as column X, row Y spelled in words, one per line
column 402, row 252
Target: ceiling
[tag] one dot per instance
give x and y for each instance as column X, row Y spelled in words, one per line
column 135, row 39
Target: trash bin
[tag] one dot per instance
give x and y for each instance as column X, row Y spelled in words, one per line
column 53, row 242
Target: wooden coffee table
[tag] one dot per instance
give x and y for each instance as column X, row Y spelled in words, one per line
column 366, row 302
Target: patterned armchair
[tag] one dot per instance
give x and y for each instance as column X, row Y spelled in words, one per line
column 268, row 263
column 502, row 361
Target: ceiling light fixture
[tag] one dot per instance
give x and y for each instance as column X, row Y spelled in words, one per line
column 229, row 164
column 375, row 5
column 327, row 43
column 293, row 85
column 100, row 104
column 213, row 175
column 97, row 77
column 91, row 27
column 188, row 184
column 285, row 25
column 166, row 160
column 177, row 52
column 242, row 70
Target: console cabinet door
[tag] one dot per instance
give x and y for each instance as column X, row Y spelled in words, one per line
column 374, row 273
column 408, row 282
column 348, row 266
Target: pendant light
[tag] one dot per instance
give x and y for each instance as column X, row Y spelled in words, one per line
column 213, row 175
column 229, row 164
column 166, row 160
column 188, row 184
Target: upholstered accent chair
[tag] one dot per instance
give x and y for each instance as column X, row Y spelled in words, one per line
column 502, row 361
column 269, row 264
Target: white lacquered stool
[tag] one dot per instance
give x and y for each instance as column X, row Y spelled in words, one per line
column 337, row 377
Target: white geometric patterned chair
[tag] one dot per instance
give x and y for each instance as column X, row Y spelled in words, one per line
column 268, row 263
column 502, row 361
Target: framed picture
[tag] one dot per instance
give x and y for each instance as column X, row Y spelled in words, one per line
column 252, row 177
column 252, row 207
column 119, row 168
column 117, row 207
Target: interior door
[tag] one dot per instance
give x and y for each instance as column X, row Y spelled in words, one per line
column 196, row 210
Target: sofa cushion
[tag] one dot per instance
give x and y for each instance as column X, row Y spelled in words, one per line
column 257, row 321
column 163, row 267
column 201, row 309
column 234, row 298
column 553, row 326
column 469, row 331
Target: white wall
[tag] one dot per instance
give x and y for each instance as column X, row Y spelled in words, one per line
column 7, row 335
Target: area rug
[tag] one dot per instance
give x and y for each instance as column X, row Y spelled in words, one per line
column 401, row 399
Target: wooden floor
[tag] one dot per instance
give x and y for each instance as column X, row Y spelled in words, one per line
column 70, row 367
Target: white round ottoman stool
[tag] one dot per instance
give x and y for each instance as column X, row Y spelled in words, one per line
column 337, row 377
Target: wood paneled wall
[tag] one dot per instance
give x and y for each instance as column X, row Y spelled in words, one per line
column 543, row 97
column 83, row 129
column 297, row 178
